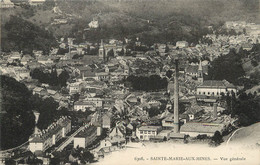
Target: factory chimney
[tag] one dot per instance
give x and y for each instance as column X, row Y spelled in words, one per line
column 215, row 110
column 176, row 99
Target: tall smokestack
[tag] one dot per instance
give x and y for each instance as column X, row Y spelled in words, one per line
column 215, row 110
column 176, row 99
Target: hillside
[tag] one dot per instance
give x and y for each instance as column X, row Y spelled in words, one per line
column 247, row 135
column 17, row 120
column 161, row 21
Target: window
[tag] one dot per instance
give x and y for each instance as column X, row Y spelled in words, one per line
column 149, row 132
column 213, row 93
column 141, row 132
column 204, row 93
column 208, row 93
column 141, row 137
column 199, row 93
column 145, row 132
column 217, row 93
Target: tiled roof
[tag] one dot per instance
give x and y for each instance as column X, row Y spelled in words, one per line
column 213, row 83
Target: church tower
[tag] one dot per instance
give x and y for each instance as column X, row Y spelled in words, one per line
column 200, row 73
column 101, row 51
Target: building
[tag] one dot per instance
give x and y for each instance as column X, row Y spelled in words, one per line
column 116, row 138
column 106, row 121
column 168, row 121
column 101, row 51
column 36, row 2
column 40, row 91
column 182, row 44
column 14, row 56
column 85, row 137
column 147, row 132
column 195, row 129
column 103, row 76
column 194, row 111
column 83, row 106
column 25, row 59
column 42, row 140
column 214, row 88
column 93, row 24
column 193, row 70
column 97, row 101
column 75, row 87
column 104, row 50
column 45, row 60
column 6, row 4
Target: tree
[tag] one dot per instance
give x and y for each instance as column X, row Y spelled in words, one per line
column 87, row 156
column 63, row 77
column 122, row 52
column 216, row 139
column 110, row 54
column 167, row 49
column 75, row 97
column 53, row 77
column 48, row 112
column 153, row 111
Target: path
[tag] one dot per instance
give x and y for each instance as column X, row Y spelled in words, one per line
column 233, row 135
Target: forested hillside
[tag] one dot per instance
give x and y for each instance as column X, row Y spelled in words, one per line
column 151, row 21
column 24, row 36
column 17, row 119
column 17, row 106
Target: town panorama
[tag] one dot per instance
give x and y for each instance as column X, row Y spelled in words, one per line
column 133, row 81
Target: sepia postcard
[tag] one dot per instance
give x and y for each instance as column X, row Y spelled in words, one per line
column 130, row 82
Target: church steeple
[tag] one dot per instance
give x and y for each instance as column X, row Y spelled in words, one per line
column 102, row 53
column 200, row 73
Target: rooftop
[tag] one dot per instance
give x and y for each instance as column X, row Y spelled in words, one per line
column 201, row 127
column 149, row 128
column 87, row 132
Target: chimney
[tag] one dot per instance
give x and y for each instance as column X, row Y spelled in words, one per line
column 176, row 99
column 215, row 110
